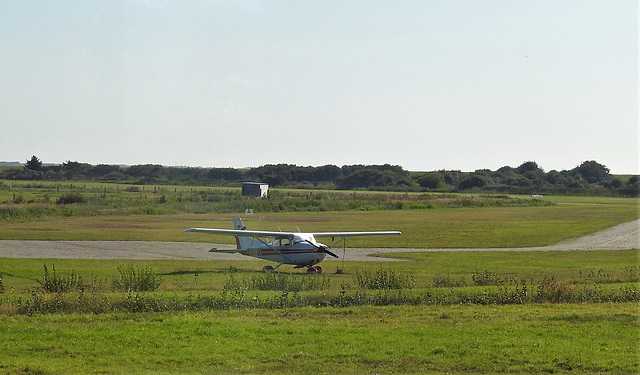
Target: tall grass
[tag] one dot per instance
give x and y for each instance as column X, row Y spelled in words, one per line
column 549, row 293
column 384, row 279
column 54, row 282
column 92, row 199
column 136, row 279
column 278, row 281
column 381, row 287
column 28, row 211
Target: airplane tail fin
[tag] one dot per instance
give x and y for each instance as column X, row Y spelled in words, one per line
column 243, row 242
column 238, row 224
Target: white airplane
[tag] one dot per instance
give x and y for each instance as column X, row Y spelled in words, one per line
column 299, row 249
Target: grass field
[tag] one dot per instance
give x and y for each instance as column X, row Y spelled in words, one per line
column 570, row 338
column 459, row 312
column 116, row 212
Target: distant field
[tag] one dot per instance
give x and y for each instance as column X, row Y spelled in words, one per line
column 486, row 227
column 29, row 210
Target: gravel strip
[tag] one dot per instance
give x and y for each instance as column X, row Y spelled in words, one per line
column 620, row 237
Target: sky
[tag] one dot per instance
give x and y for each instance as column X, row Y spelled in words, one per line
column 426, row 85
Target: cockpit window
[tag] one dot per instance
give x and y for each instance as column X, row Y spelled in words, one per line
column 278, row 242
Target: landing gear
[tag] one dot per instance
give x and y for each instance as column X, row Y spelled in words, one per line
column 269, row 269
column 314, row 269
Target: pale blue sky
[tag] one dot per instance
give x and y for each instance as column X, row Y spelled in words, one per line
column 423, row 84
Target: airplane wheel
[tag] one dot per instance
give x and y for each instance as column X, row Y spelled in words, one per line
column 267, row 269
column 314, row 269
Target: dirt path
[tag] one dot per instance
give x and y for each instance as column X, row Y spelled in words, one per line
column 620, row 237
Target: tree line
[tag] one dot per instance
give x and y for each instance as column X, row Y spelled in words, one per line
column 589, row 178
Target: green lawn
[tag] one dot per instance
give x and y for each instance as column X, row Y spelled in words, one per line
column 434, row 339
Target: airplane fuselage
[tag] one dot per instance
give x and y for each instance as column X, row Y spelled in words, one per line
column 300, row 255
column 299, row 250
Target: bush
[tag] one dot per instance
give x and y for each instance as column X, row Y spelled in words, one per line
column 137, row 279
column 556, row 291
column 489, row 278
column 447, row 281
column 54, row 283
column 71, row 198
column 280, row 282
column 384, row 279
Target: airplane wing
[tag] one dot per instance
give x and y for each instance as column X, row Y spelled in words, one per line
column 242, row 232
column 263, row 233
column 353, row 234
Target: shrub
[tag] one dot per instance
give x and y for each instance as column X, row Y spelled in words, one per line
column 10, row 212
column 486, row 278
column 384, row 279
column 71, row 198
column 632, row 273
column 137, row 279
column 556, row 291
column 55, row 283
column 447, row 281
column 279, row 282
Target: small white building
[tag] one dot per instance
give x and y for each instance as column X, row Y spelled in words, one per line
column 255, row 189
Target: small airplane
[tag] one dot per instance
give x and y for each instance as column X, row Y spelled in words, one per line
column 298, row 249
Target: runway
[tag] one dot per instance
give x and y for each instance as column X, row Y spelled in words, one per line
column 621, row 237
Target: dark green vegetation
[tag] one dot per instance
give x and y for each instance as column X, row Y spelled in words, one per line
column 589, row 178
column 439, row 312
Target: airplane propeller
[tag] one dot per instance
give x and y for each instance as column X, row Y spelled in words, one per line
column 322, row 248
column 326, row 250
